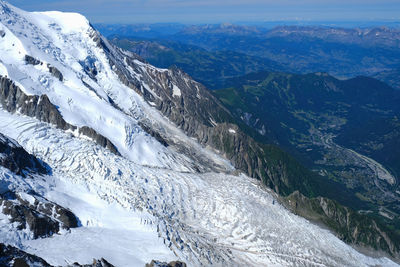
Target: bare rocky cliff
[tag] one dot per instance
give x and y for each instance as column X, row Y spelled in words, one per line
column 13, row 99
column 349, row 225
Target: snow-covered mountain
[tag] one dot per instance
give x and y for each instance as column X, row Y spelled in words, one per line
column 97, row 161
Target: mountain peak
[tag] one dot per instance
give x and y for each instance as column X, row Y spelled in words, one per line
column 68, row 22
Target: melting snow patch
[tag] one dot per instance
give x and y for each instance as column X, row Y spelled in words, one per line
column 232, row 131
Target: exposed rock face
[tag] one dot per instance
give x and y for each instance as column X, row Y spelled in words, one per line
column 99, row 139
column 96, row 263
column 155, row 263
column 32, row 60
column 11, row 256
column 350, row 226
column 17, row 160
column 27, row 218
column 195, row 110
column 41, row 217
column 48, row 208
column 53, row 70
column 13, row 99
column 56, row 73
column 153, row 133
column 28, row 209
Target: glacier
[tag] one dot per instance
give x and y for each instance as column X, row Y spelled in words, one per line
column 152, row 202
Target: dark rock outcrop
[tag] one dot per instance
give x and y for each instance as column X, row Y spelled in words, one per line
column 32, row 60
column 27, row 218
column 11, row 256
column 13, row 99
column 55, row 72
column 28, row 209
column 51, row 209
column 350, row 226
column 42, row 217
column 99, row 139
column 155, row 263
column 96, row 263
column 154, row 134
column 17, row 160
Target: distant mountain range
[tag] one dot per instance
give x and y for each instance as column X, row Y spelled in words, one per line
column 341, row 52
column 211, row 68
column 140, row 30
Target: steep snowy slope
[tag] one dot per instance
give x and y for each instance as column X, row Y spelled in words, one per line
column 151, row 201
column 63, row 43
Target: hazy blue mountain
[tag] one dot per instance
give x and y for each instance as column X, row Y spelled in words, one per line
column 342, row 52
column 211, row 68
column 144, row 30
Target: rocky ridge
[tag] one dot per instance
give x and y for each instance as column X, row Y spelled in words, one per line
column 17, row 160
column 26, row 209
column 12, row 256
column 349, row 225
column 13, row 99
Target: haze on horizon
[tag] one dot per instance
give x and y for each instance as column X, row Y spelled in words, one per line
column 216, row 11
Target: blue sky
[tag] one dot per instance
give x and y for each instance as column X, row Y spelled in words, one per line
column 210, row 11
